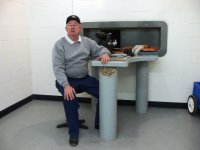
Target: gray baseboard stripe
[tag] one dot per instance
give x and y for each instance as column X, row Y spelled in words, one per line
column 86, row 100
column 58, row 98
column 15, row 106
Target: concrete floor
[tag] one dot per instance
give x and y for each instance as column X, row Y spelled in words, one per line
column 33, row 127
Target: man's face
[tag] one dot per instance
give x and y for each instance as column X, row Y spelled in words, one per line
column 73, row 28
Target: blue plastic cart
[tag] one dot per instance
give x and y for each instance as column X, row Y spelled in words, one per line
column 193, row 102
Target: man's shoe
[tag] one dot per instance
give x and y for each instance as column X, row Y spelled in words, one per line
column 73, row 141
column 97, row 127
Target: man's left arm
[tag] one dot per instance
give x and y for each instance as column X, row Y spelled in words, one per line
column 101, row 52
column 105, row 58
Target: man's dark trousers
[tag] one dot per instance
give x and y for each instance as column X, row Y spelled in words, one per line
column 87, row 84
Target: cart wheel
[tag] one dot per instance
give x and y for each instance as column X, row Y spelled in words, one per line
column 192, row 105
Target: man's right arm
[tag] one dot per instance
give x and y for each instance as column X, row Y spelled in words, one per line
column 58, row 61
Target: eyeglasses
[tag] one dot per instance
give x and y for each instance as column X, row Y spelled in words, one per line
column 73, row 25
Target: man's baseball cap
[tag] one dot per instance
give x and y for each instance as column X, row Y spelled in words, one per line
column 73, row 17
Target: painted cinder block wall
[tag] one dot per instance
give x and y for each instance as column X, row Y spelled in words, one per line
column 15, row 56
column 170, row 78
column 33, row 26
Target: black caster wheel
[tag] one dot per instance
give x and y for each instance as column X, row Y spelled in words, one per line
column 192, row 105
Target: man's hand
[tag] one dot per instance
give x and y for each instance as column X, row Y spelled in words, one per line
column 69, row 93
column 105, row 58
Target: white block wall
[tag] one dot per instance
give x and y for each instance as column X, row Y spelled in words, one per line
column 171, row 77
column 15, row 64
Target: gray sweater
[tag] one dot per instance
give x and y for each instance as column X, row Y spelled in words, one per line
column 71, row 60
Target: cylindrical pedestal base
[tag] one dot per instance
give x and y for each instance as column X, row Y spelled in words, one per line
column 108, row 103
column 142, row 87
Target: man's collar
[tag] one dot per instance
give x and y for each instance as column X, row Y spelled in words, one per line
column 71, row 41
